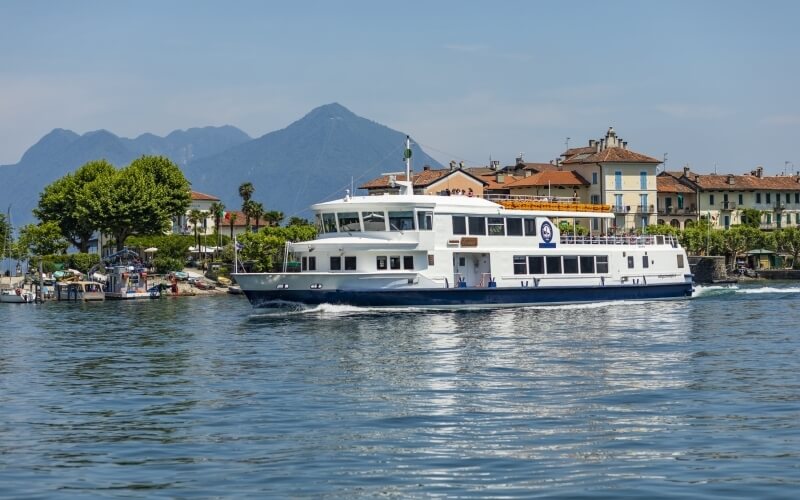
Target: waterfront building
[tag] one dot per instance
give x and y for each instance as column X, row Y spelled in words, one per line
column 619, row 177
column 201, row 202
column 677, row 202
column 722, row 198
column 454, row 180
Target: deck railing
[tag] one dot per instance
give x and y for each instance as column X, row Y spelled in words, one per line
column 649, row 239
column 557, row 203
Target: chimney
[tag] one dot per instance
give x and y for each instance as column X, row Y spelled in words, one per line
column 426, row 168
column 500, row 178
column 759, row 171
column 597, row 147
column 528, row 173
column 625, row 145
column 460, row 165
column 602, row 144
column 452, row 165
column 731, row 181
column 520, row 161
column 591, row 143
column 686, row 171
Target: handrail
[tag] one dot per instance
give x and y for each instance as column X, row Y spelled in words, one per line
column 545, row 203
column 650, row 239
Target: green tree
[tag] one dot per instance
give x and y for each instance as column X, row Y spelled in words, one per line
column 232, row 218
column 265, row 248
column 739, row 239
column 246, row 191
column 298, row 221
column 5, row 234
column 195, row 217
column 787, row 240
column 41, row 239
column 664, row 229
column 217, row 211
column 63, row 202
column 274, row 217
column 751, row 217
column 142, row 198
column 247, row 210
column 257, row 211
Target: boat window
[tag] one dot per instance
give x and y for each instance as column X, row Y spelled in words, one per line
column 304, row 265
column 348, row 222
column 336, row 263
column 571, row 264
column 530, row 227
column 680, row 261
column 394, row 262
column 496, row 226
column 520, row 266
column 477, row 225
column 312, row 263
column 381, row 262
column 587, row 264
column 514, row 226
column 630, row 261
column 401, row 221
column 602, row 263
column 425, row 221
column 553, row 265
column 374, row 221
column 536, row 265
column 430, row 259
column 328, row 223
column 349, row 263
column 408, row 262
column 459, row 224
column 645, row 261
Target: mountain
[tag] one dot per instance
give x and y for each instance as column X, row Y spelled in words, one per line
column 62, row 151
column 314, row 159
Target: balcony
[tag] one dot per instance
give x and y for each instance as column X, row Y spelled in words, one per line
column 645, row 209
column 621, row 209
column 728, row 205
column 779, row 206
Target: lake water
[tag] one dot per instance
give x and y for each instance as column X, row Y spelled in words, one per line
column 206, row 397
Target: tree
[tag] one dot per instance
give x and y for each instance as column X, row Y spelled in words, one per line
column 217, row 211
column 195, row 216
column 664, row 229
column 751, row 217
column 63, row 202
column 232, row 216
column 41, row 239
column 142, row 198
column 740, row 239
column 246, row 190
column 298, row 221
column 247, row 210
column 5, row 233
column 257, row 211
column 274, row 217
column 788, row 240
column 265, row 248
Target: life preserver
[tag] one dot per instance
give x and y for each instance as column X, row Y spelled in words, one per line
column 19, row 291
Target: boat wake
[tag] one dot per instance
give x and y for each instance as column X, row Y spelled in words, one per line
column 702, row 291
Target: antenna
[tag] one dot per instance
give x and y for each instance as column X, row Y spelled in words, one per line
column 665, row 162
column 566, row 143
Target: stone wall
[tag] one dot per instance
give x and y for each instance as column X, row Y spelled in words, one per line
column 709, row 269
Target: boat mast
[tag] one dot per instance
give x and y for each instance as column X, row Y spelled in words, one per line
column 407, row 155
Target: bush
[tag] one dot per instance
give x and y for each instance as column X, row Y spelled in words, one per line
column 83, row 261
column 165, row 265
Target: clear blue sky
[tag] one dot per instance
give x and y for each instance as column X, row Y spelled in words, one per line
column 708, row 82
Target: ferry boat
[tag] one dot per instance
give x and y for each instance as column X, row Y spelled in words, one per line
column 458, row 251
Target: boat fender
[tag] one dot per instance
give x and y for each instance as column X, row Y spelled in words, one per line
column 19, row 291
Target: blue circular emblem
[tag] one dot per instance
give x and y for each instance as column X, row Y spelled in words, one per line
column 546, row 232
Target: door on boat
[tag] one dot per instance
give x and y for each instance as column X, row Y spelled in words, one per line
column 472, row 269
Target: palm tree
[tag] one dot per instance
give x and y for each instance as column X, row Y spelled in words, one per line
column 195, row 216
column 274, row 217
column 233, row 216
column 218, row 210
column 257, row 211
column 247, row 209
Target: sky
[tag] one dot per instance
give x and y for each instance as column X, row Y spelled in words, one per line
column 709, row 84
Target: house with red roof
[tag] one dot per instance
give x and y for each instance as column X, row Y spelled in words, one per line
column 454, row 180
column 199, row 201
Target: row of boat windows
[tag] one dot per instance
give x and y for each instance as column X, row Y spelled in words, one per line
column 494, row 226
column 383, row 262
column 355, row 222
column 560, row 264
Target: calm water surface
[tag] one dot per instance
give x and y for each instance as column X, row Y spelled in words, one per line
column 206, row 397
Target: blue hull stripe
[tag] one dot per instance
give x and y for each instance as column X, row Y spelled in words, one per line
column 448, row 297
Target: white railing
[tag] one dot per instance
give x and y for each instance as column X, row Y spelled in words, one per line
column 651, row 239
column 528, row 197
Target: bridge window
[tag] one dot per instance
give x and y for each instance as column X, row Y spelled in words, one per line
column 328, row 223
column 394, row 262
column 680, row 261
column 401, row 221
column 408, row 262
column 602, row 263
column 380, row 262
column 349, row 263
column 336, row 263
column 571, row 264
column 348, row 222
column 308, row 264
column 459, row 224
column 374, row 221
column 477, row 225
column 514, row 226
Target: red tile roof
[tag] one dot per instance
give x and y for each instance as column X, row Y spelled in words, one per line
column 611, row 155
column 419, row 179
column 202, row 196
column 239, row 222
column 491, row 181
column 669, row 184
column 731, row 182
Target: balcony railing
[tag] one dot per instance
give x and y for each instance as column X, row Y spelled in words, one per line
column 645, row 209
column 728, row 205
column 677, row 211
column 779, row 206
column 621, row 209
